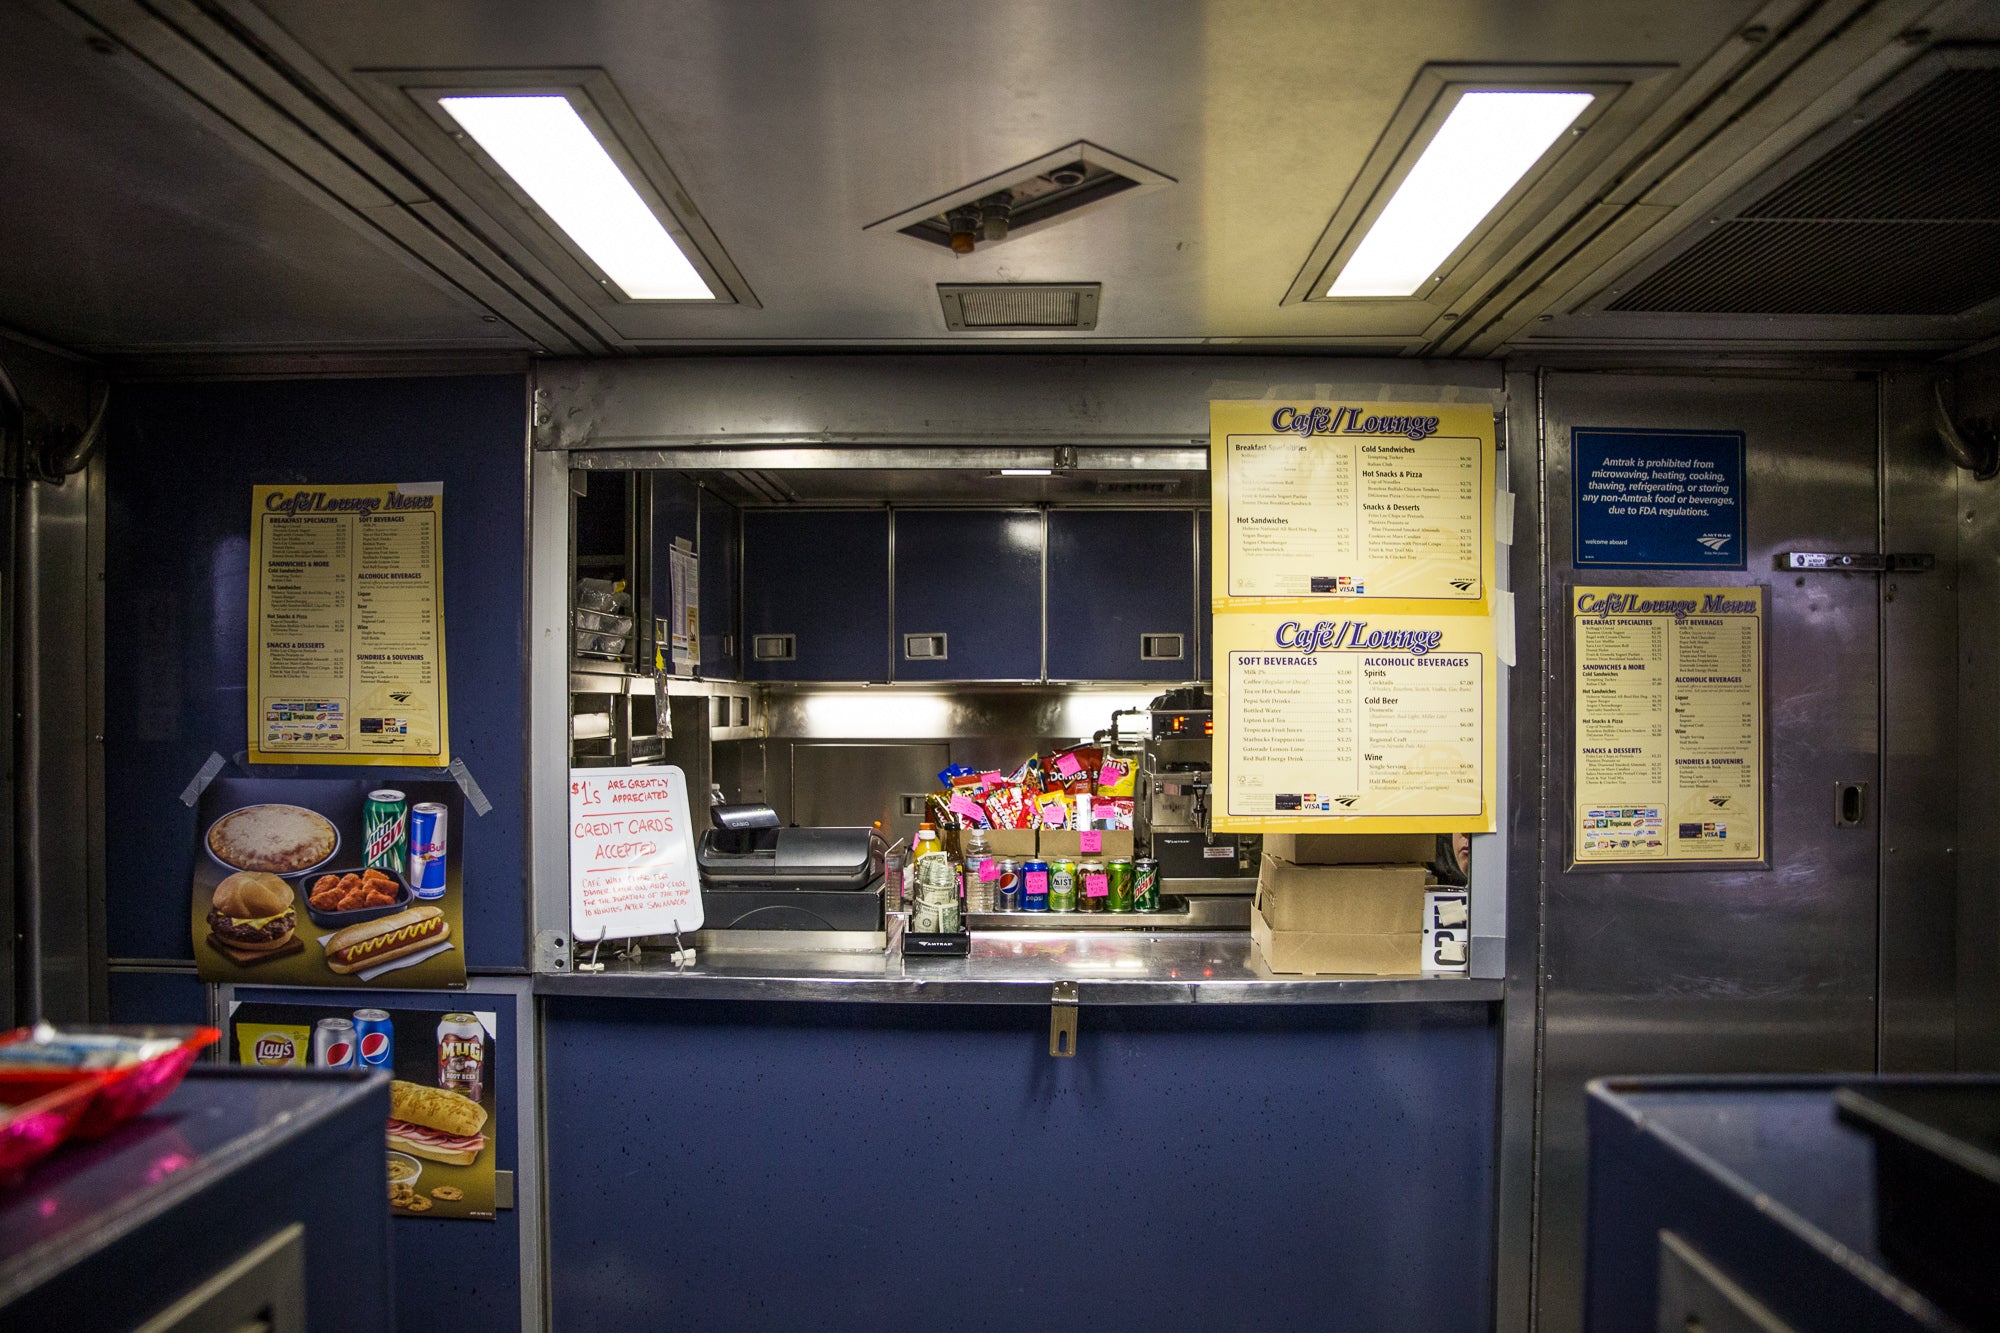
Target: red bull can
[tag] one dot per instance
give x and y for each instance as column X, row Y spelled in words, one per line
column 427, row 849
column 333, row 1043
column 374, row 1039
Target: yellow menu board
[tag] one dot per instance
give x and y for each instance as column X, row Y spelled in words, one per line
column 1669, row 763
column 1354, row 723
column 347, row 625
column 1363, row 500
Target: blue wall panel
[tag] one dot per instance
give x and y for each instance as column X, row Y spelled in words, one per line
column 824, row 576
column 453, row 1274
column 974, row 575
column 1115, row 574
column 158, row 997
column 864, row 1167
column 720, row 565
column 180, row 463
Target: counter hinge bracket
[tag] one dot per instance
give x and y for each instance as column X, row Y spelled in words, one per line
column 1062, row 1020
column 551, row 951
column 1867, row 562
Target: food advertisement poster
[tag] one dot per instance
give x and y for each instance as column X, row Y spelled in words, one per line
column 322, row 882
column 631, row 854
column 347, row 625
column 1352, row 500
column 1354, row 722
column 446, row 1068
column 1670, row 762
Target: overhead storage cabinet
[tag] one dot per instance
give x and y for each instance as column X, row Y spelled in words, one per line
column 968, row 594
column 816, row 594
column 1121, row 594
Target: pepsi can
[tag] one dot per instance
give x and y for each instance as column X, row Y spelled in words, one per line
column 1035, row 886
column 427, row 848
column 374, row 1039
column 333, row 1043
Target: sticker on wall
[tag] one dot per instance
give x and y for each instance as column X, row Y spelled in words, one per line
column 1657, row 499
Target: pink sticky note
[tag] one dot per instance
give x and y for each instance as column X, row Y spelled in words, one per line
column 1054, row 814
column 991, row 780
column 1067, row 765
column 987, row 870
column 962, row 804
column 1090, row 840
column 1109, row 772
column 1094, row 886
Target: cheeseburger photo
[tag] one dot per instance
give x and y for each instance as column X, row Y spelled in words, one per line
column 252, row 912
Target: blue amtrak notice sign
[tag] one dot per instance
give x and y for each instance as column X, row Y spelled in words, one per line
column 1657, row 499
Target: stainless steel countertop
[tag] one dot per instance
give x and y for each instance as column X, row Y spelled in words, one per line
column 1017, row 967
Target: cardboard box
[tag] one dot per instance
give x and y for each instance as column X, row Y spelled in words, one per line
column 1343, row 920
column 1353, row 849
column 1015, row 842
column 1061, row 844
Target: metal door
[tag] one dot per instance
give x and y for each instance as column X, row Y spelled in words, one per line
column 1731, row 970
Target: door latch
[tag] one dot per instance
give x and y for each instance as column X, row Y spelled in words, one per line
column 1857, row 562
column 1062, row 1020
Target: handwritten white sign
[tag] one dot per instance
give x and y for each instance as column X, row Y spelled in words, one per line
column 631, row 854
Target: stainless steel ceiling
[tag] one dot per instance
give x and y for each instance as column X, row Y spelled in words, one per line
column 239, row 176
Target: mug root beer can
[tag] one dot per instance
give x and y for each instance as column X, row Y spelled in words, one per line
column 461, row 1044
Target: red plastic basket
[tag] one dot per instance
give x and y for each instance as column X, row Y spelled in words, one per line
column 31, row 1130
column 120, row 1094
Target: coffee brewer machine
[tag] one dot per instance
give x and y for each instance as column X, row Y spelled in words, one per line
column 1174, row 798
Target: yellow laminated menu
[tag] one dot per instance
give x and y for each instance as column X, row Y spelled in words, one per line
column 1356, row 679
column 1374, row 500
column 1354, row 723
column 1669, row 763
column 347, row 625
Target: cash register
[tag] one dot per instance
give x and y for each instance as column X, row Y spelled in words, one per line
column 757, row 874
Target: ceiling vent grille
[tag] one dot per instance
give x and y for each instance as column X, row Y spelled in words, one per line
column 1901, row 217
column 999, row 306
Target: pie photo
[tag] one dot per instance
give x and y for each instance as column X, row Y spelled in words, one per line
column 280, row 839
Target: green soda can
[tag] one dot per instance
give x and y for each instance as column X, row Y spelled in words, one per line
column 1062, row 886
column 1146, row 885
column 1118, row 886
column 385, row 827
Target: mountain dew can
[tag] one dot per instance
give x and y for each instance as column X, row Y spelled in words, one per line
column 385, row 827
column 1145, row 885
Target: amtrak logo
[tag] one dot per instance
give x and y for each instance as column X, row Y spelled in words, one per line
column 1718, row 801
column 1715, row 541
column 400, row 696
column 1462, row 585
column 1347, row 801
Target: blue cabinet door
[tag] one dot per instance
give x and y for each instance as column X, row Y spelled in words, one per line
column 821, row 578
column 721, row 649
column 1121, row 586
column 968, row 585
column 1204, row 594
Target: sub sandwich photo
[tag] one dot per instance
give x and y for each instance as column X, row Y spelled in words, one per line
column 434, row 1123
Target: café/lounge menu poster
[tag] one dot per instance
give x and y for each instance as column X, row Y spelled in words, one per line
column 347, row 625
column 1670, row 759
column 1352, row 500
column 1354, row 722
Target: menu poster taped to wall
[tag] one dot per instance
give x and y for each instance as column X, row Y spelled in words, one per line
column 1354, row 723
column 1374, row 500
column 446, row 1066
column 1670, row 762
column 632, row 870
column 347, row 625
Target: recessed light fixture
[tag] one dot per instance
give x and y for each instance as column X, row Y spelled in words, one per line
column 1027, row 472
column 548, row 150
column 1489, row 141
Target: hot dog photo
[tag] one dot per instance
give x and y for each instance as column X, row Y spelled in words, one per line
column 329, row 882
column 440, row 1137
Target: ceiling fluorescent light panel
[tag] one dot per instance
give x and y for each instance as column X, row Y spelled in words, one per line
column 555, row 158
column 1489, row 141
